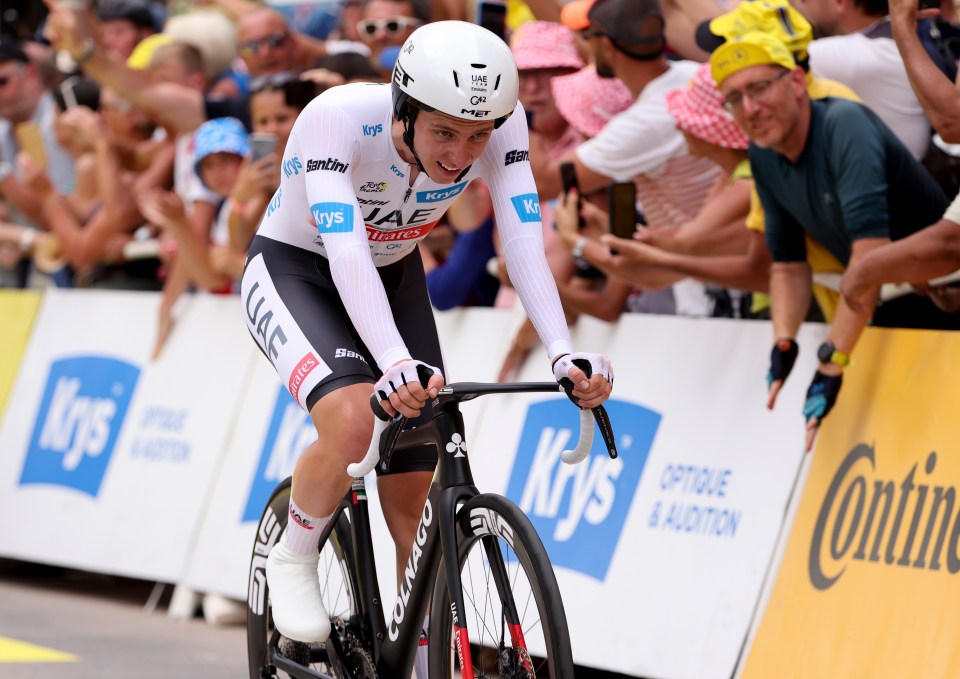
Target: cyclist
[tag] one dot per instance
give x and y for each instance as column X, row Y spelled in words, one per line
column 334, row 291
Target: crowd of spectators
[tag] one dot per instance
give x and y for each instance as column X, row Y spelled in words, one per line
column 141, row 141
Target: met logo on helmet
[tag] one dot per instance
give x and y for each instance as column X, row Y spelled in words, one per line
column 527, row 206
column 476, row 113
column 332, row 217
column 82, row 410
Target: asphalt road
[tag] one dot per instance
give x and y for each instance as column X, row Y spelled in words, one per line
column 101, row 623
column 58, row 623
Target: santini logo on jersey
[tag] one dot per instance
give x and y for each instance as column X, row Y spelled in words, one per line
column 516, row 157
column 440, row 194
column 527, row 206
column 331, row 164
column 332, row 217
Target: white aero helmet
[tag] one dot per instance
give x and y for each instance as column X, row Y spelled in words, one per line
column 457, row 68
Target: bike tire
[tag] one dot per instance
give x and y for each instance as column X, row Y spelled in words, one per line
column 336, row 573
column 532, row 585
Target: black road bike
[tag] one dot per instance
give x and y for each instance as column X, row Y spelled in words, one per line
column 477, row 563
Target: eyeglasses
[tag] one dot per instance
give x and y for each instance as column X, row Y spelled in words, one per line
column 391, row 26
column 756, row 91
column 273, row 41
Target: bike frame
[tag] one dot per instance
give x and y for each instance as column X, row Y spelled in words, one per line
column 394, row 644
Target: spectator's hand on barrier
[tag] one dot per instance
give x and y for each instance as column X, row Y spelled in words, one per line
column 859, row 294
column 821, row 397
column 400, row 390
column 782, row 357
column 589, row 392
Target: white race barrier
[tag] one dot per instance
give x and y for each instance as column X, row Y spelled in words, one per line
column 160, row 471
column 108, row 459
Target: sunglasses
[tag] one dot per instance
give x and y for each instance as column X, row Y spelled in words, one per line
column 391, row 26
column 273, row 41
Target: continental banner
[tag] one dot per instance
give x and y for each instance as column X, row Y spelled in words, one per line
column 18, row 308
column 868, row 586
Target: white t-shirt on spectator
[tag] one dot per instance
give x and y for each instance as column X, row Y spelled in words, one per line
column 873, row 68
column 644, row 144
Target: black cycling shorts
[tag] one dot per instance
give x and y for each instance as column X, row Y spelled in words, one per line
column 294, row 312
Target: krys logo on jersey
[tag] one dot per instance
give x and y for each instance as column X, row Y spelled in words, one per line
column 83, row 407
column 527, row 206
column 579, row 510
column 289, row 432
column 874, row 519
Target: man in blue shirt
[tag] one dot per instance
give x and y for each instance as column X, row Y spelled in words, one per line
column 829, row 169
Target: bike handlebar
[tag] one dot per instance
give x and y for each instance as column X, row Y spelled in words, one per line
column 465, row 391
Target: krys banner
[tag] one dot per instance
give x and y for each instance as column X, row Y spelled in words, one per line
column 870, row 578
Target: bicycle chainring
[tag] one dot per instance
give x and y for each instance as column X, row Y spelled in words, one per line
column 360, row 664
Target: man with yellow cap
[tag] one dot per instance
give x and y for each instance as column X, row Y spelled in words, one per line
column 831, row 170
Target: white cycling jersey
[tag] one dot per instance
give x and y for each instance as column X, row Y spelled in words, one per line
column 345, row 194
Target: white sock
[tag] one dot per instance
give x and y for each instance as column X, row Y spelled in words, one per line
column 420, row 665
column 303, row 531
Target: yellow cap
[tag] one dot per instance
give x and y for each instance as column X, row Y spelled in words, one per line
column 139, row 59
column 776, row 17
column 750, row 49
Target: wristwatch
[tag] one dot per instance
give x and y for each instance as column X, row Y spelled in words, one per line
column 579, row 246
column 827, row 353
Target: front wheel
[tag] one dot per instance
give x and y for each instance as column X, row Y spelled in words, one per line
column 266, row 649
column 514, row 614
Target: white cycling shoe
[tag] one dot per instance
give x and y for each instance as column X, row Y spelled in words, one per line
column 298, row 610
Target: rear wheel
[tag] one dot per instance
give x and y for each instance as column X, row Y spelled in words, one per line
column 514, row 614
column 336, row 575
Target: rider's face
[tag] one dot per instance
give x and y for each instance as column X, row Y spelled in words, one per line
column 447, row 145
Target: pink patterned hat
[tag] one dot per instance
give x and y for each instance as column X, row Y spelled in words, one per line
column 544, row 44
column 698, row 109
column 587, row 101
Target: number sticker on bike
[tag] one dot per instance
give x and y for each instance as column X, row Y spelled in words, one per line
column 485, row 522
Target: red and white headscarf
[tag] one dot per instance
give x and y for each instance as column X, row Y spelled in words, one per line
column 587, row 101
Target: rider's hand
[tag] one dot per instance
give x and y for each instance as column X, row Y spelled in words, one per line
column 399, row 388
column 588, row 392
column 782, row 358
column 821, row 397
